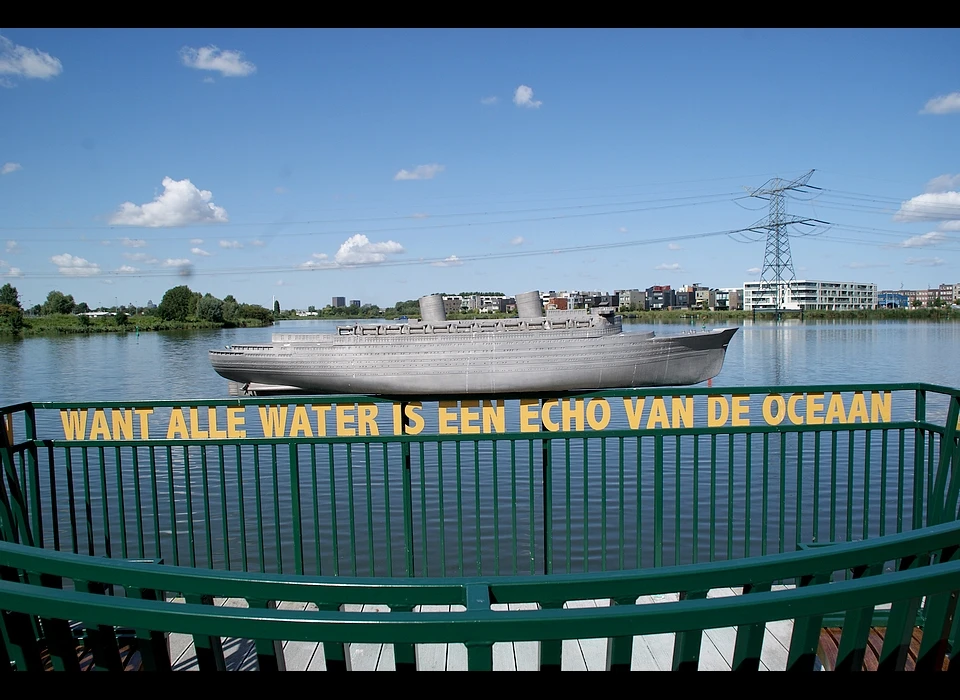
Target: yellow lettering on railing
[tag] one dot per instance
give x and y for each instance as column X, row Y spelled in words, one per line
column 74, row 424
column 273, row 420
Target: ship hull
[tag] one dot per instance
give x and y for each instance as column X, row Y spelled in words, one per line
column 474, row 363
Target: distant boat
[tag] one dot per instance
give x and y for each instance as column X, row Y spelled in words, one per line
column 579, row 350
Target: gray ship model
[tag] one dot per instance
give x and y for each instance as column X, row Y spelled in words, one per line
column 556, row 351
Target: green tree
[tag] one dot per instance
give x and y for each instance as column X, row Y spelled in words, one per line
column 11, row 318
column 311, row 308
column 177, row 304
column 210, row 308
column 58, row 303
column 82, row 308
column 10, row 296
column 231, row 309
column 121, row 318
column 276, row 307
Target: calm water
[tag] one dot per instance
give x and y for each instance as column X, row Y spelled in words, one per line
column 174, row 365
column 728, row 501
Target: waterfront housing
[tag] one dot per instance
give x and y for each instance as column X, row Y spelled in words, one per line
column 809, row 295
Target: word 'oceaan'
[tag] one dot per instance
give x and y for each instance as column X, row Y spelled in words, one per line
column 470, row 417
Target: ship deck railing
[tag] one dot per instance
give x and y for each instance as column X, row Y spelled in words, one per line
column 668, row 528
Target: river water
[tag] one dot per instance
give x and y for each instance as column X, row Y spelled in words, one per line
column 479, row 508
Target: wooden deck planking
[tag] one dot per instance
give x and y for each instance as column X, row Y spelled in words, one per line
column 650, row 652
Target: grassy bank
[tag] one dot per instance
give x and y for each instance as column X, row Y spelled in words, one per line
column 59, row 324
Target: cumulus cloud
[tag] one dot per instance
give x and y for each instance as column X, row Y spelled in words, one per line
column 229, row 64
column 358, row 250
column 8, row 168
column 944, row 183
column 13, row 246
column 674, row 246
column 126, row 269
column 133, row 242
column 231, row 244
column 523, row 97
column 23, row 62
column 452, row 261
column 925, row 262
column 517, row 240
column 931, row 206
column 14, row 272
column 141, row 257
column 317, row 261
column 492, row 100
column 180, row 204
column 669, row 267
column 950, row 225
column 927, row 239
column 196, row 241
column 201, row 252
column 421, row 172
column 944, row 104
column 72, row 266
column 175, row 262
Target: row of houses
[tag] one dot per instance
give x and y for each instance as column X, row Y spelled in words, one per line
column 795, row 295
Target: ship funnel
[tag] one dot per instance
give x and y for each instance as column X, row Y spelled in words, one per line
column 529, row 305
column 431, row 309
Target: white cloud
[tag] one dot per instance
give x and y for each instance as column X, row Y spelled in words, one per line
column 281, row 283
column 181, row 204
column 943, row 104
column 8, row 168
column 127, row 269
column 932, row 206
column 319, row 261
column 421, row 172
column 926, row 262
column 231, row 244
column 201, row 252
column 944, row 183
column 516, row 241
column 229, row 64
column 669, row 267
column 133, row 242
column 26, row 63
column 932, row 238
column 258, row 244
column 523, row 97
column 674, row 246
column 141, row 257
column 14, row 272
column 452, row 261
column 175, row 262
column 196, row 241
column 753, row 270
column 950, row 225
column 492, row 100
column 12, row 246
column 72, row 266
column 358, row 250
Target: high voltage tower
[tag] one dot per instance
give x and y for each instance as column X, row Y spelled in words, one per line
column 777, row 271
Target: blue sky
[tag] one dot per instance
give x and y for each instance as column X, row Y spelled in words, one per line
column 383, row 165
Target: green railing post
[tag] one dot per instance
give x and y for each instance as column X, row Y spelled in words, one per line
column 547, row 485
column 33, row 462
column 920, row 415
column 948, row 448
column 407, row 497
column 295, row 508
column 658, row 501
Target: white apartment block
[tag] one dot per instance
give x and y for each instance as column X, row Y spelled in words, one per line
column 811, row 295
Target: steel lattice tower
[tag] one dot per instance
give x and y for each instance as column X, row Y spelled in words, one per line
column 777, row 271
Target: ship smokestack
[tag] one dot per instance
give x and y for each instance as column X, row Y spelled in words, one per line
column 529, row 305
column 431, row 309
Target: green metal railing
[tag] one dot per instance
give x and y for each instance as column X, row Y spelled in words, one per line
column 495, row 486
column 917, row 573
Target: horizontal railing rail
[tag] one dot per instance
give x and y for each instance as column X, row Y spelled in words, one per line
column 925, row 580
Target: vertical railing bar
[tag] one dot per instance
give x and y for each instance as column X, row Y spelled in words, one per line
column 174, row 534
column 676, row 502
column 851, row 440
column 620, row 542
column 603, row 504
column 816, row 486
column 367, row 467
column 866, row 483
column 713, row 496
column 920, row 416
column 748, row 493
column 586, row 506
column 68, row 466
column 315, row 510
column 388, row 513
column 242, row 512
column 278, row 535
column 696, row 501
column 513, row 508
column 189, row 494
column 120, row 504
column 833, row 486
column 496, row 506
column 138, row 501
column 639, row 502
column 334, row 528
column 901, row 474
column 105, row 496
column 224, row 516
column 883, row 481
column 567, row 506
column 798, row 516
column 460, row 557
column 205, row 489
column 930, row 476
column 54, row 500
column 441, row 522
column 155, row 496
column 531, row 491
column 476, row 494
column 296, row 520
column 781, row 438
column 351, row 509
column 259, row 498
column 730, row 460
column 765, row 496
column 423, row 508
column 657, row 501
